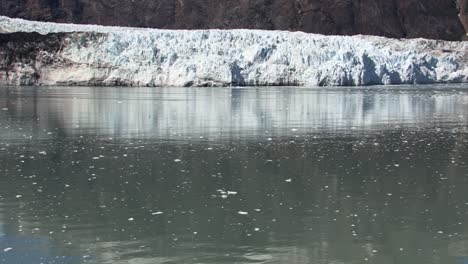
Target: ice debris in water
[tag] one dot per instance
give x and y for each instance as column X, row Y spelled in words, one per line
column 242, row 213
column 157, row 213
column 226, row 194
column 7, row 249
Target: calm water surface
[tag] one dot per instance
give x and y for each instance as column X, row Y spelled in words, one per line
column 267, row 175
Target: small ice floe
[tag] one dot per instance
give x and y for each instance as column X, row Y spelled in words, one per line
column 242, row 213
column 5, row 109
column 256, row 229
column 157, row 213
column 19, row 196
column 131, row 219
column 288, row 180
column 226, row 194
column 7, row 249
column 294, row 129
column 257, row 210
column 177, row 160
column 42, row 153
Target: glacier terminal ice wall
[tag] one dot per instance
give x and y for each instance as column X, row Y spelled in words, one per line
column 37, row 53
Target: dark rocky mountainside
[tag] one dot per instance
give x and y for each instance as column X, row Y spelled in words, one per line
column 463, row 9
column 438, row 19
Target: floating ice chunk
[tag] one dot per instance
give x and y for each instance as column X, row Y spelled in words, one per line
column 243, row 213
column 7, row 249
column 157, row 213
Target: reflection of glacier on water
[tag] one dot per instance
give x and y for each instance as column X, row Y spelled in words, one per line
column 174, row 113
column 382, row 194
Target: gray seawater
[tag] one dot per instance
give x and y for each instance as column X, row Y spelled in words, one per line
column 226, row 175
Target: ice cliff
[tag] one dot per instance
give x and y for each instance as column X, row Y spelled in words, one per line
column 36, row 53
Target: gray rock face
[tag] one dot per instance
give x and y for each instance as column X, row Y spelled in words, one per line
column 436, row 19
column 463, row 9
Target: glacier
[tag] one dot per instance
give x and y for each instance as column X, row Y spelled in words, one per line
column 39, row 53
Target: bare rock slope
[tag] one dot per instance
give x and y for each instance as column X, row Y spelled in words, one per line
column 436, row 19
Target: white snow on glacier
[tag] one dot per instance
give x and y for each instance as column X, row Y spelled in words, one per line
column 98, row 55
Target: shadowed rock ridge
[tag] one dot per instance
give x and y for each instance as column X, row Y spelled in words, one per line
column 436, row 19
column 463, row 10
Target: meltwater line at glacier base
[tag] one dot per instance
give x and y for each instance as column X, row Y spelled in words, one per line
column 37, row 53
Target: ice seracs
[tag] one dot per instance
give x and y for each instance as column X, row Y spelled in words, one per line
column 97, row 55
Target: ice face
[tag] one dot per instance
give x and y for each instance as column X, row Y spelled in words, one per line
column 98, row 55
